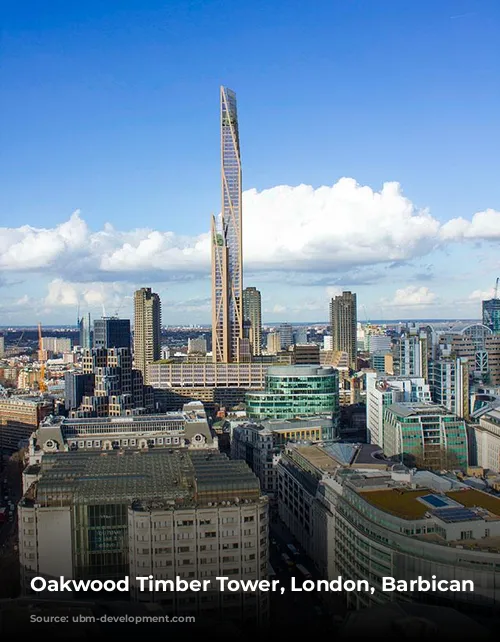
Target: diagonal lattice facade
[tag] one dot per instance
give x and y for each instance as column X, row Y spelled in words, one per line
column 226, row 234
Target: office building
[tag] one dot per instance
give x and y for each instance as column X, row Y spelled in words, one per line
column 112, row 387
column 227, row 248
column 383, row 391
column 273, row 343
column 111, row 332
column 197, row 346
column 147, row 329
column 19, row 416
column 343, row 319
column 84, row 332
column 260, row 443
column 167, row 513
column 300, row 336
column 386, row 521
column 382, row 362
column 378, row 343
column 186, row 428
column 449, row 384
column 491, row 315
column 305, row 354
column 413, row 354
column 252, row 312
column 76, row 386
column 285, row 331
column 2, row 346
column 487, row 438
column 222, row 384
column 56, row 345
column 425, row 435
column 328, row 343
column 480, row 347
column 296, row 391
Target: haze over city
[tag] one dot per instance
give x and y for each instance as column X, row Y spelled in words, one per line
column 362, row 170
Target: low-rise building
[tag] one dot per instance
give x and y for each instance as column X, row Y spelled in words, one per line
column 19, row 416
column 425, row 435
column 186, row 428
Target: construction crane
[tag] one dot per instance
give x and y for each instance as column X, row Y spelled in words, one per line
column 41, row 357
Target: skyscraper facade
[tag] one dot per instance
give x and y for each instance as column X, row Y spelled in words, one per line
column 147, row 329
column 252, row 312
column 343, row 319
column 227, row 256
column 111, row 332
column 491, row 315
column 84, row 332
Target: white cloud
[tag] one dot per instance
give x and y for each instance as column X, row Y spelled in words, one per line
column 483, row 226
column 481, row 295
column 413, row 296
column 299, row 229
column 111, row 296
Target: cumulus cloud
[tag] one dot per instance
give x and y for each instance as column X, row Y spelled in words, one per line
column 61, row 293
column 323, row 231
column 413, row 296
column 481, row 295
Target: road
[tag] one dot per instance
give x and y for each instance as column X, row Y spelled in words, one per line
column 10, row 485
column 302, row 612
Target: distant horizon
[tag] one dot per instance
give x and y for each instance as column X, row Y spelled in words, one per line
column 264, row 324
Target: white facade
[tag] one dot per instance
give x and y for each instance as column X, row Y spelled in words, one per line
column 201, row 543
column 384, row 391
column 328, row 342
column 348, row 535
column 488, row 441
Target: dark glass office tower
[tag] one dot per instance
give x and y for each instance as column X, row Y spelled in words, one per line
column 110, row 332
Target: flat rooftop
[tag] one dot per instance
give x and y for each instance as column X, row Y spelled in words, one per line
column 165, row 477
column 329, row 457
column 410, row 408
column 404, row 502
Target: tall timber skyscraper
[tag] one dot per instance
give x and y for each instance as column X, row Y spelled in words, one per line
column 228, row 344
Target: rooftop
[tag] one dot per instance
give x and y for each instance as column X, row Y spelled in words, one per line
column 404, row 502
column 166, row 477
column 410, row 408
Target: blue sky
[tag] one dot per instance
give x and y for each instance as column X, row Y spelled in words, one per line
column 112, row 109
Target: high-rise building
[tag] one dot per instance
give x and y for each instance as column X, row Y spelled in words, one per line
column 56, row 345
column 111, row 332
column 84, row 332
column 286, row 335
column 343, row 319
column 2, row 345
column 491, row 315
column 449, row 384
column 413, row 354
column 253, row 313
column 108, row 386
column 273, row 343
column 227, row 254
column 381, row 392
column 147, row 329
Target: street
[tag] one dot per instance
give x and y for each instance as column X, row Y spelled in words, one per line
column 298, row 612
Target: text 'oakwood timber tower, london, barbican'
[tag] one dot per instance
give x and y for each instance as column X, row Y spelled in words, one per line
column 228, row 344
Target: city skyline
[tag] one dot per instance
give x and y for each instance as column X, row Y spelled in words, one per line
column 414, row 234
